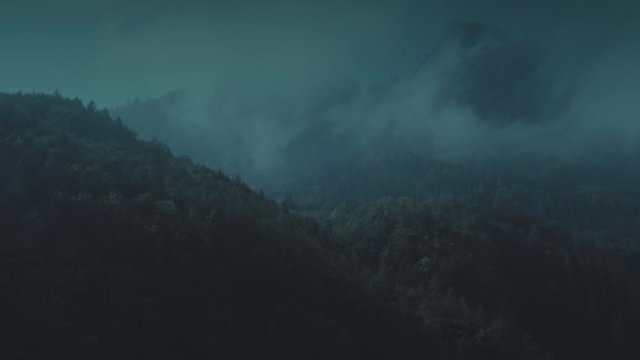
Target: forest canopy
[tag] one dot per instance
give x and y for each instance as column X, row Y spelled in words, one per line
column 111, row 246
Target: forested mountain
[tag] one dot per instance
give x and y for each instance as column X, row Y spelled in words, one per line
column 112, row 247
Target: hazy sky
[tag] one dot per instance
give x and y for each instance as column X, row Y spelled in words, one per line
column 264, row 80
column 115, row 50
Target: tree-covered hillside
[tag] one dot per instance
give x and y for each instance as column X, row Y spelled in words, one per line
column 111, row 247
column 490, row 280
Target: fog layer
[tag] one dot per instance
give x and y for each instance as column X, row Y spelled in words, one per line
column 258, row 88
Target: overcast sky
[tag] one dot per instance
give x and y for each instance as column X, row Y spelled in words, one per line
column 113, row 51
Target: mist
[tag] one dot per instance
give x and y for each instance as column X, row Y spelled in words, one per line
column 266, row 89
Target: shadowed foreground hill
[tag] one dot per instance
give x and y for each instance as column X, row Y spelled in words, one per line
column 111, row 247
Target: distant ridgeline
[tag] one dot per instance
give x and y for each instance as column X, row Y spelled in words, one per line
column 112, row 248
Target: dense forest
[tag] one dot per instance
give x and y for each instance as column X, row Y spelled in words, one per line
column 112, row 247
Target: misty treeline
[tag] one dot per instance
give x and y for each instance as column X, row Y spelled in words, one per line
column 488, row 119
column 111, row 246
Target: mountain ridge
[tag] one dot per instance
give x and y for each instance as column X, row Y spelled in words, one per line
column 112, row 247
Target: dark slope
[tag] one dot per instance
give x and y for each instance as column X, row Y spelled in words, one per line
column 111, row 247
column 491, row 280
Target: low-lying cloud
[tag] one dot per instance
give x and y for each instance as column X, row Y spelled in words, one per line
column 261, row 87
